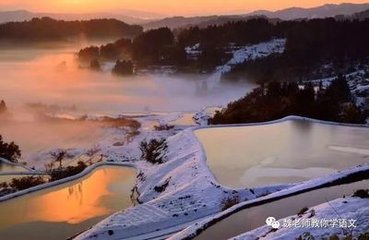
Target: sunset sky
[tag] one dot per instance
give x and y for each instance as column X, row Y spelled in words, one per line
column 166, row 7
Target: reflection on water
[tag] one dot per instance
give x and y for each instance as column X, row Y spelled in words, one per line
column 279, row 153
column 70, row 208
column 251, row 218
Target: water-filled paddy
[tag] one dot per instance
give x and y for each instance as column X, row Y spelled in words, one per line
column 284, row 152
column 62, row 211
column 254, row 217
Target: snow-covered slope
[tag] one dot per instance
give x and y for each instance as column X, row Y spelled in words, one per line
column 247, row 53
column 194, row 229
column 191, row 193
column 347, row 216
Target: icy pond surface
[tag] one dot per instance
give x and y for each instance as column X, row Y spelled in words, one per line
column 254, row 217
column 289, row 151
column 63, row 211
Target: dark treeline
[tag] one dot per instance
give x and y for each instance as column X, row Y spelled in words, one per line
column 111, row 51
column 165, row 47
column 277, row 100
column 48, row 29
column 311, row 44
column 154, row 47
column 240, row 32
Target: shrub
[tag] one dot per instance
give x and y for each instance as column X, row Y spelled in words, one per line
column 123, row 68
column 303, row 211
column 4, row 185
column 26, row 182
column 88, row 53
column 9, row 151
column 306, row 236
column 164, row 127
column 153, row 150
column 61, row 173
column 230, row 202
column 58, row 156
column 162, row 187
column 361, row 193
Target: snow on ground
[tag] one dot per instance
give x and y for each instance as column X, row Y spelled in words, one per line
column 181, row 191
column 244, row 54
column 193, row 230
column 202, row 117
column 340, row 213
column 191, row 193
column 358, row 83
column 193, row 51
column 253, row 52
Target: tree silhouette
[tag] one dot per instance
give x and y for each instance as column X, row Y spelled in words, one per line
column 9, row 151
column 59, row 156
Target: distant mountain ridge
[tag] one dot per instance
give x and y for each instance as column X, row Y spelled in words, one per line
column 152, row 20
column 202, row 21
column 327, row 10
column 361, row 15
column 127, row 16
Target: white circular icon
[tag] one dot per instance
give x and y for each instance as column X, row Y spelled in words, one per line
column 270, row 220
column 275, row 225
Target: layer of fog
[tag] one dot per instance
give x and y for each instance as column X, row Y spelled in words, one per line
column 50, row 77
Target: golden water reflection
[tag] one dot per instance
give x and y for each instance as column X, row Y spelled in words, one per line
column 103, row 192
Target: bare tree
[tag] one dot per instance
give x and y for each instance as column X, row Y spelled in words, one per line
column 58, row 156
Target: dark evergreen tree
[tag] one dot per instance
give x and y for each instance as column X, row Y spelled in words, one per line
column 9, row 151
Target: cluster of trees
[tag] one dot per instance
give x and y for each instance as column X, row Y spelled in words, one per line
column 3, row 107
column 18, row 184
column 215, row 41
column 277, row 100
column 239, row 32
column 9, row 151
column 165, row 47
column 111, row 51
column 68, row 171
column 46, row 29
column 123, row 68
column 154, row 47
column 310, row 45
